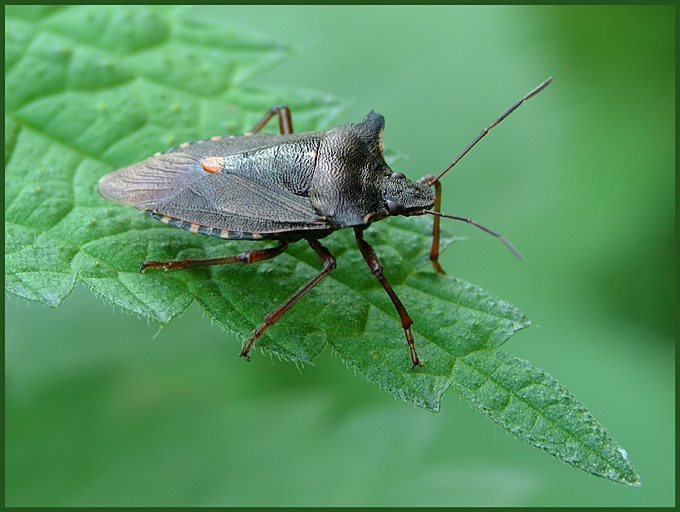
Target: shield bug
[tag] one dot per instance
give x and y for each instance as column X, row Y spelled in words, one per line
column 286, row 187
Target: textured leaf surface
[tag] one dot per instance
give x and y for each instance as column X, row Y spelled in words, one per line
column 532, row 405
column 90, row 89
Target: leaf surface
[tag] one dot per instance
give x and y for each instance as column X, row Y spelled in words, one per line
column 90, row 89
column 533, row 406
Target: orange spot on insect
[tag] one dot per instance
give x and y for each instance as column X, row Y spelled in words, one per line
column 213, row 163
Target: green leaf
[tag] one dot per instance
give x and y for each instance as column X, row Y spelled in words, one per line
column 90, row 89
column 530, row 404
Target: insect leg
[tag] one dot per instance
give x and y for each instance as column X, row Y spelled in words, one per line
column 244, row 257
column 329, row 264
column 285, row 121
column 376, row 268
column 434, row 249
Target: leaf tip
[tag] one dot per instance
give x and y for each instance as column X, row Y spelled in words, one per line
column 632, row 478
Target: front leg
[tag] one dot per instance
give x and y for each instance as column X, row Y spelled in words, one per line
column 377, row 270
column 434, row 248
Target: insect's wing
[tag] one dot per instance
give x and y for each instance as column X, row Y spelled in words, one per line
column 176, row 186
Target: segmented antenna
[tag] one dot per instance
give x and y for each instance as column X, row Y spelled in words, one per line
column 488, row 128
column 477, row 225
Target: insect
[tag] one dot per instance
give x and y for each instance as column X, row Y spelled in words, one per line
column 286, row 187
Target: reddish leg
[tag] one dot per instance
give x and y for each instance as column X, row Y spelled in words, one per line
column 285, row 121
column 244, row 257
column 377, row 270
column 328, row 264
column 434, row 248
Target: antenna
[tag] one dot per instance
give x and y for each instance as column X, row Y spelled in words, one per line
column 477, row 225
column 488, row 128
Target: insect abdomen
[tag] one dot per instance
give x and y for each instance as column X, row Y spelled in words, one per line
column 206, row 230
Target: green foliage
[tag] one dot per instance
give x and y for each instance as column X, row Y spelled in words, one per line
column 91, row 89
column 529, row 403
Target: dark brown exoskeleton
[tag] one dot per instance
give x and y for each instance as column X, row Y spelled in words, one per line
column 285, row 187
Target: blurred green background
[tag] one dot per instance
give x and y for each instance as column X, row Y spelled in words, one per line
column 105, row 409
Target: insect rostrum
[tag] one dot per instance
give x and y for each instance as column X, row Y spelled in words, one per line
column 286, row 187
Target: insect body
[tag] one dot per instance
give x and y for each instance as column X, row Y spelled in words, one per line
column 285, row 187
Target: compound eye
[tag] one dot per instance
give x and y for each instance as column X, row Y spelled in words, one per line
column 398, row 176
column 393, row 208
